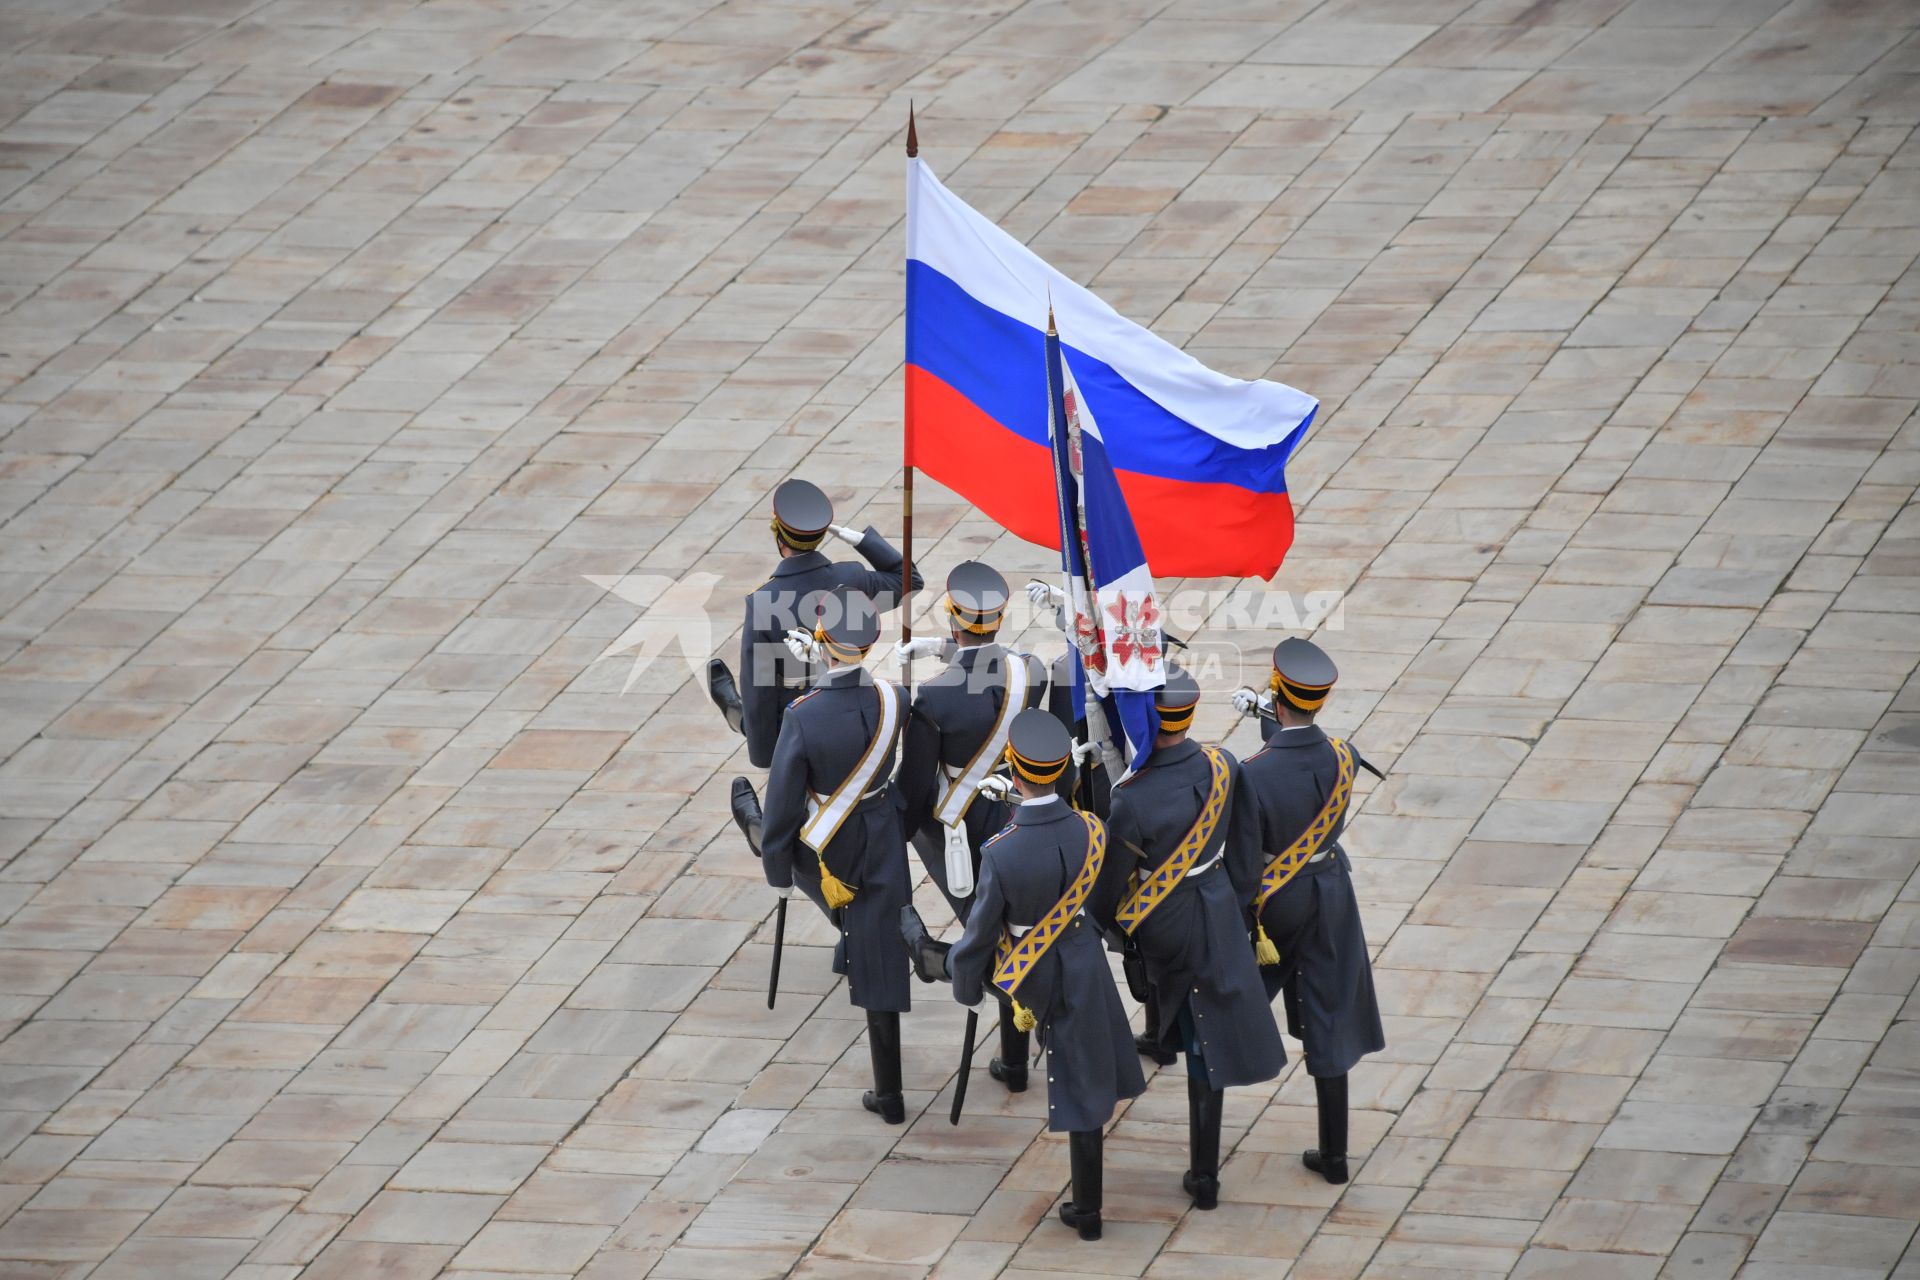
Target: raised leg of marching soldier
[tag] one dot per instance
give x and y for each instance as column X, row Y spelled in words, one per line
column 1190, row 833
column 832, row 829
column 1315, row 950
column 1039, row 880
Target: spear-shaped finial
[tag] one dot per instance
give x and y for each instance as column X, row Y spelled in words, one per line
column 913, row 137
column 1051, row 331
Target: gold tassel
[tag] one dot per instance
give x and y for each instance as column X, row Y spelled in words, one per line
column 1263, row 949
column 833, row 888
column 1023, row 1019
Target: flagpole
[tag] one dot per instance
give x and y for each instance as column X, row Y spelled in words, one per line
column 906, row 482
column 1071, row 549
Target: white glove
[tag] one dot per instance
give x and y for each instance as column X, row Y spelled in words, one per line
column 1043, row 594
column 802, row 645
column 919, row 647
column 847, row 535
column 996, row 786
column 1085, row 751
column 1247, row 702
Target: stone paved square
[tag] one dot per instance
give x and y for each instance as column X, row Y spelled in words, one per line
column 370, row 368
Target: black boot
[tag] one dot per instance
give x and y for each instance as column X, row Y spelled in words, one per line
column 1148, row 1041
column 1082, row 1212
column 1329, row 1159
column 929, row 957
column 726, row 695
column 1010, row 1068
column 746, row 813
column 883, row 1043
column 1205, row 1108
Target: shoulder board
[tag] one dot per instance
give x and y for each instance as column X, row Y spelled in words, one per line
column 1135, row 776
column 803, row 697
column 995, row 836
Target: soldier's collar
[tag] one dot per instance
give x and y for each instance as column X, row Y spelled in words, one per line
column 967, row 655
column 800, row 564
column 1305, row 735
column 1051, row 811
column 1176, row 753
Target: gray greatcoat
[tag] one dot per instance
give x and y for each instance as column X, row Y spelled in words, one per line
column 1196, row 945
column 1091, row 1061
column 1314, row 920
column 822, row 737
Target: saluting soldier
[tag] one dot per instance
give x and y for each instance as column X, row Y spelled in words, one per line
column 1186, row 824
column 956, row 739
column 832, row 828
column 1031, row 941
column 789, row 601
column 1310, row 941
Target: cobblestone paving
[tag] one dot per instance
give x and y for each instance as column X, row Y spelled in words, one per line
column 359, row 922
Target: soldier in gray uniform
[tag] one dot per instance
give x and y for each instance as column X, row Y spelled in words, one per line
column 832, row 829
column 956, row 737
column 1308, row 919
column 1186, row 824
column 1030, row 940
column 789, row 601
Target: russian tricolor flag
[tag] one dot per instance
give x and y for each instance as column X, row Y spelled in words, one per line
column 1200, row 457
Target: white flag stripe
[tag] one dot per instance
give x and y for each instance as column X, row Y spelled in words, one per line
column 1000, row 272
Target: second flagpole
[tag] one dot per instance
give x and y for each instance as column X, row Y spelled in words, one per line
column 906, row 483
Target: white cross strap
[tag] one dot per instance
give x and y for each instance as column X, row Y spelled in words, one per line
column 961, row 790
column 952, row 811
column 824, row 823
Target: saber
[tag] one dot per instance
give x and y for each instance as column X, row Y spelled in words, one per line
column 747, row 816
column 966, row 1067
column 779, row 944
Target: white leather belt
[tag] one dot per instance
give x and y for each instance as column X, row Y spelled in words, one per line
column 1022, row 930
column 813, row 801
column 1323, row 855
column 1208, row 865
